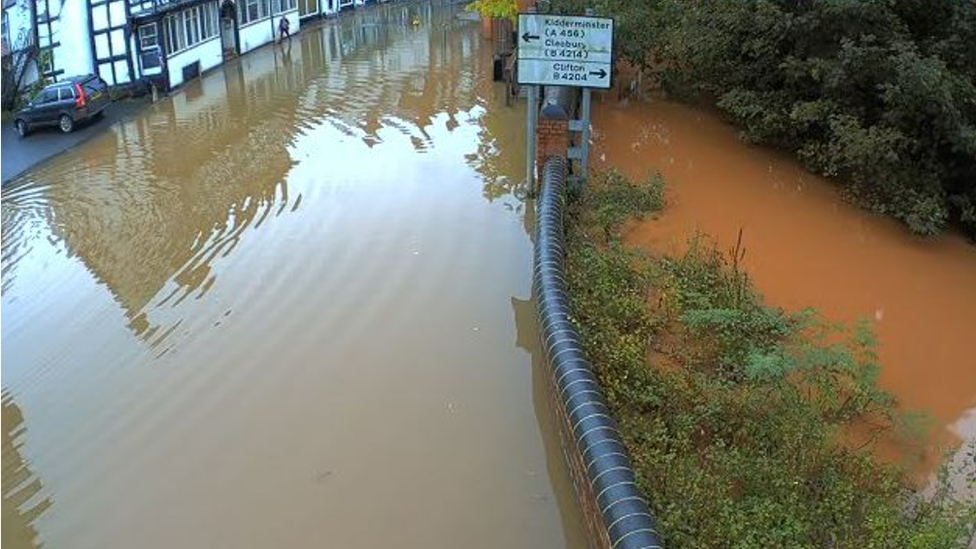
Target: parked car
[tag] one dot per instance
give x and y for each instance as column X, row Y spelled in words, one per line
column 64, row 104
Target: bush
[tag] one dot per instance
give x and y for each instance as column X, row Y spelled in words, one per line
column 736, row 428
column 495, row 8
column 879, row 93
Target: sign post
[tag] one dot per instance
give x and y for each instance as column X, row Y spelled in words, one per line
column 532, row 122
column 586, row 107
column 531, row 125
column 564, row 50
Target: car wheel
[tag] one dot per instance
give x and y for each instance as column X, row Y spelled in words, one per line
column 66, row 123
column 22, row 129
column 100, row 114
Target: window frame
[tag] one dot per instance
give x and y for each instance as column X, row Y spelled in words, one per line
column 205, row 27
column 47, row 92
column 247, row 15
column 262, row 10
column 149, row 46
column 189, row 28
column 284, row 6
column 191, row 25
column 143, row 36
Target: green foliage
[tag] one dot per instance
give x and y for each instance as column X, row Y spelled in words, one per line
column 495, row 8
column 613, row 199
column 736, row 433
column 881, row 93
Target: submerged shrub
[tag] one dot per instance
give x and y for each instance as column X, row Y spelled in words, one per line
column 734, row 411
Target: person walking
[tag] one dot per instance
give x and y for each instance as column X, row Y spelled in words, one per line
column 284, row 30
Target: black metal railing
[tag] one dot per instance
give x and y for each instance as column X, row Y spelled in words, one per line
column 617, row 515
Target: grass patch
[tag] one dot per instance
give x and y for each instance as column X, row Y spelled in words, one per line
column 736, row 428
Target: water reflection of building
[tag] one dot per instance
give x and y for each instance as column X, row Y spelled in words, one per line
column 22, row 504
column 181, row 185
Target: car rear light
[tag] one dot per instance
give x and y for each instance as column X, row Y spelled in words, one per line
column 80, row 97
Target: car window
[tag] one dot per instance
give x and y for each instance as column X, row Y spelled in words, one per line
column 47, row 96
column 65, row 93
column 93, row 86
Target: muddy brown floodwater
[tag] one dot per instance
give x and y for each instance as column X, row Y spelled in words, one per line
column 806, row 247
column 288, row 306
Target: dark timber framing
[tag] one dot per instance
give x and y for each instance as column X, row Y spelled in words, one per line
column 108, row 32
column 47, row 45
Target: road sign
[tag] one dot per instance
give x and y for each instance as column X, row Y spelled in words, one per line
column 564, row 50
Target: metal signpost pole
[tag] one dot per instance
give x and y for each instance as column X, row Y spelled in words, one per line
column 532, row 121
column 585, row 109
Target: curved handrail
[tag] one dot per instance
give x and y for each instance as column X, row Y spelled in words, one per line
column 600, row 458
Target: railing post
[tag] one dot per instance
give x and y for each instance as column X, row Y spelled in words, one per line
column 585, row 110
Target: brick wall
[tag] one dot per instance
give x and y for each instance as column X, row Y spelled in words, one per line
column 552, row 139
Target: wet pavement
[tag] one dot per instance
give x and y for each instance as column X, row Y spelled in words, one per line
column 288, row 306
column 19, row 155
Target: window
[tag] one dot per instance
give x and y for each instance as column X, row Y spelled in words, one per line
column 189, row 27
column 94, row 86
column 249, row 11
column 149, row 44
column 49, row 95
column 147, row 37
column 206, row 22
column 281, row 6
column 254, row 10
column 174, row 38
column 65, row 93
column 307, row 7
column 215, row 21
column 191, row 21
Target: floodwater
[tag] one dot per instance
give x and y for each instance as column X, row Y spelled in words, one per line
column 806, row 247
column 287, row 307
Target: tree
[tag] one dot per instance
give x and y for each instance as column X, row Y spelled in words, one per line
column 20, row 52
column 877, row 93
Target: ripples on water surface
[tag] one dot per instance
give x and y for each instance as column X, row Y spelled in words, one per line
column 287, row 306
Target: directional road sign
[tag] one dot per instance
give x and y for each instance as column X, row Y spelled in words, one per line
column 563, row 50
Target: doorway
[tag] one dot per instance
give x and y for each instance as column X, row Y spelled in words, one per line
column 228, row 29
